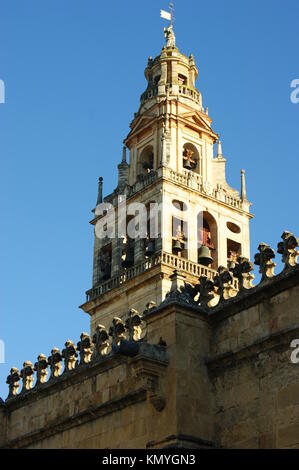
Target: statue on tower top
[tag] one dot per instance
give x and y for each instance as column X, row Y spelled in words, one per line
column 170, row 36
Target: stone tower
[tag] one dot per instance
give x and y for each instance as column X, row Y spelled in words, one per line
column 199, row 221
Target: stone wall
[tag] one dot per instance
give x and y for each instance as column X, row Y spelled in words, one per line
column 256, row 386
column 207, row 368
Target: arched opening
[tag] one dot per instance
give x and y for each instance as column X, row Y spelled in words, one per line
column 183, row 80
column 179, row 230
column 153, row 215
column 191, row 158
column 104, row 263
column 146, row 161
column 207, row 236
column 128, row 247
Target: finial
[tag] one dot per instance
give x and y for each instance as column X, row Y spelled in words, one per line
column 264, row 259
column 243, row 186
column 100, row 191
column 219, row 150
column 124, row 158
column 288, row 249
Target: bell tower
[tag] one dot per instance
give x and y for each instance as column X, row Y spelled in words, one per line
column 176, row 177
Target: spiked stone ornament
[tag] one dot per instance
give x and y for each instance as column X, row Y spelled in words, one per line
column 117, row 331
column 287, row 248
column 85, row 348
column 41, row 369
column 69, row 355
column 206, row 291
column 13, row 381
column 242, row 271
column 27, row 376
column 133, row 325
column 263, row 259
column 101, row 342
column 55, row 363
column 223, row 281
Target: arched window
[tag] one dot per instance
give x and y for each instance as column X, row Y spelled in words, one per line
column 128, row 247
column 104, row 263
column 183, row 80
column 179, row 229
column 146, row 161
column 207, row 236
column 191, row 158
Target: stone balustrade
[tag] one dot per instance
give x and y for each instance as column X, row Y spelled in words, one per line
column 190, row 180
column 149, row 93
column 170, row 260
column 194, row 181
column 184, row 90
column 190, row 93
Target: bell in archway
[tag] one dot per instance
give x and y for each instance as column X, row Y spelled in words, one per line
column 204, row 256
column 177, row 247
column 150, row 250
column 187, row 165
column 129, row 259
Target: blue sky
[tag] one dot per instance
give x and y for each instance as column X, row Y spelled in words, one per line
column 73, row 71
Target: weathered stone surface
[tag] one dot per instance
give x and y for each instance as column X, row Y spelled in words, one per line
column 200, row 379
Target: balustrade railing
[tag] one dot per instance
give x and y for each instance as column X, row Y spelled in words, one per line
column 167, row 259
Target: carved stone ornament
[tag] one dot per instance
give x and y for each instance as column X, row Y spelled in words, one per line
column 69, row 355
column 85, row 348
column 27, row 374
column 242, row 271
column 264, row 259
column 41, row 368
column 206, row 291
column 288, row 249
column 55, row 363
column 223, row 281
column 117, row 330
column 13, row 381
column 133, row 325
column 101, row 342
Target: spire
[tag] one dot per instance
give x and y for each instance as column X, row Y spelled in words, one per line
column 100, row 191
column 124, row 158
column 219, row 150
column 243, row 186
column 123, row 170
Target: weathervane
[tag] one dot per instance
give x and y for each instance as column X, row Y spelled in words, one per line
column 168, row 15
